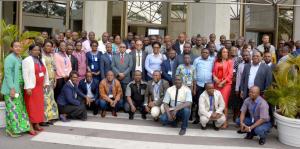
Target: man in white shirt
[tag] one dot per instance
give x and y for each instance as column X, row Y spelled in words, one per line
column 211, row 107
column 177, row 104
column 138, row 59
column 266, row 45
column 103, row 42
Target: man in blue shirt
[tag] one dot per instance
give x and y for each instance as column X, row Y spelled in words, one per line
column 203, row 66
column 297, row 44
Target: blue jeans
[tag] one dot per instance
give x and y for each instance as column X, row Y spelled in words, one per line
column 183, row 114
column 104, row 105
column 261, row 131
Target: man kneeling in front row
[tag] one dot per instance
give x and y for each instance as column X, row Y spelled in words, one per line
column 259, row 121
column 71, row 101
column 211, row 107
column 177, row 104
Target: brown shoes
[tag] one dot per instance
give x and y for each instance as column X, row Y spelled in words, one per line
column 103, row 113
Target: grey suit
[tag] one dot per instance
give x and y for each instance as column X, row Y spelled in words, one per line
column 125, row 68
column 105, row 64
column 134, row 56
column 149, row 96
column 263, row 78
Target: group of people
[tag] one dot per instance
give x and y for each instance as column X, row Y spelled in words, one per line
column 173, row 80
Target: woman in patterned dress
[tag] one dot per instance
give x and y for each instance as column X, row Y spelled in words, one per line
column 17, row 120
column 50, row 106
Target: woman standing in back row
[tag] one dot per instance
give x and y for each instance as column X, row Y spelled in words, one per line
column 17, row 121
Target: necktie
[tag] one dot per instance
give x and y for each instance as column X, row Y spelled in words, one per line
column 122, row 59
column 210, row 103
column 176, row 97
column 139, row 62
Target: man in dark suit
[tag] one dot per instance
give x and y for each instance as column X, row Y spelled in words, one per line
column 168, row 67
column 255, row 74
column 138, row 59
column 71, row 101
column 186, row 50
column 72, row 58
column 178, row 46
column 122, row 66
column 106, row 60
column 90, row 88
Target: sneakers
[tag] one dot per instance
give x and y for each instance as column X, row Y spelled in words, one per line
column 182, row 131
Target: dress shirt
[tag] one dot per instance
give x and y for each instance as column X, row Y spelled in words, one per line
column 89, row 90
column 156, row 90
column 184, row 95
column 258, row 109
column 252, row 74
column 203, row 71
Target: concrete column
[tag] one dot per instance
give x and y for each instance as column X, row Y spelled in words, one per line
column 297, row 21
column 205, row 19
column 95, row 17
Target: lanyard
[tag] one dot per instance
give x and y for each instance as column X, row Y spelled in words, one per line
column 110, row 90
column 156, row 89
column 254, row 109
column 210, row 103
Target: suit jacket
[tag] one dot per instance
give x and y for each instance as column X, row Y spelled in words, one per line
column 166, row 67
column 125, row 68
column 149, row 95
column 133, row 54
column 263, row 78
column 29, row 73
column 70, row 95
column 204, row 104
column 176, row 47
column 94, row 87
column 105, row 64
column 74, row 63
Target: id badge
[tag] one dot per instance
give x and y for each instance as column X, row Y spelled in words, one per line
column 170, row 73
column 41, row 74
column 17, row 95
column 92, row 67
column 110, row 96
column 252, row 120
column 189, row 82
column 96, row 59
column 66, row 69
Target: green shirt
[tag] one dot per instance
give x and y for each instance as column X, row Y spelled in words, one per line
column 12, row 71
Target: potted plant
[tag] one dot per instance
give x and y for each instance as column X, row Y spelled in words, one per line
column 9, row 33
column 285, row 95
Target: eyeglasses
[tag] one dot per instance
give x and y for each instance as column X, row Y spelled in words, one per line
column 122, row 47
column 94, row 45
column 156, row 47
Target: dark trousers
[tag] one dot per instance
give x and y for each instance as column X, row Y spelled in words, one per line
column 59, row 85
column 195, row 106
column 74, row 112
column 139, row 107
column 94, row 107
column 124, row 86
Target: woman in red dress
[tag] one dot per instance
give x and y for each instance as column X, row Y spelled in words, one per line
column 35, row 77
column 222, row 75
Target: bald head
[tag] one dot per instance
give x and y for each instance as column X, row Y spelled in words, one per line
column 254, row 92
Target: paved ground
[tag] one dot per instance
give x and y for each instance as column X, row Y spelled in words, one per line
column 121, row 133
